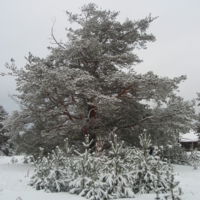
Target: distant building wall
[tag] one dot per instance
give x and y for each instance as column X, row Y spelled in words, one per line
column 187, row 145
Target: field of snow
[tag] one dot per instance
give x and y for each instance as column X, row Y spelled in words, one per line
column 14, row 179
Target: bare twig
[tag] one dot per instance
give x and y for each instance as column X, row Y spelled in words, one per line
column 52, row 34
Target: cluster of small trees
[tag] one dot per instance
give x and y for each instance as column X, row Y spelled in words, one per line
column 119, row 173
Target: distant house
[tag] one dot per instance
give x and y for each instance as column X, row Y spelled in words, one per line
column 189, row 139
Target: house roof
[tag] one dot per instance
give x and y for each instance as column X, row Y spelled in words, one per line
column 189, row 137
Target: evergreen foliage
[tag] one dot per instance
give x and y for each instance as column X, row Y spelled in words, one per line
column 81, row 87
column 51, row 172
column 120, row 173
column 6, row 146
column 149, row 169
column 171, row 185
column 194, row 157
column 197, row 128
column 116, row 173
column 177, row 117
column 175, row 154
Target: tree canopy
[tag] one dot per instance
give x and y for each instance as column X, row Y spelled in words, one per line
column 4, row 134
column 3, row 117
column 88, row 86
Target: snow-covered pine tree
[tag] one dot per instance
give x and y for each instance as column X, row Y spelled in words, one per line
column 149, row 170
column 82, row 167
column 86, row 181
column 197, row 124
column 175, row 153
column 53, row 173
column 80, row 87
column 159, row 182
column 116, row 173
column 172, row 184
column 41, row 172
column 58, row 176
column 194, row 157
column 177, row 116
column 99, row 144
column 6, row 146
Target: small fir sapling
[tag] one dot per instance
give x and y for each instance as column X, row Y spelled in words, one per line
column 86, row 173
column 99, row 144
column 95, row 187
column 52, row 173
column 176, row 154
column 69, row 159
column 42, row 169
column 14, row 160
column 26, row 159
column 145, row 143
column 172, row 184
column 194, row 157
column 149, row 170
column 117, row 176
column 83, row 165
column 60, row 174
column 67, row 150
column 157, row 190
column 6, row 143
column 58, row 178
column 67, row 154
column 159, row 184
column 144, row 163
column 86, row 176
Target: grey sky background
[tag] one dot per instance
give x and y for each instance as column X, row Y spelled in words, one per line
column 25, row 26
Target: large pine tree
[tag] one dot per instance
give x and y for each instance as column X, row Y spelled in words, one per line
column 81, row 87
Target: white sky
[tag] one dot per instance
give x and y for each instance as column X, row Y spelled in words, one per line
column 25, row 26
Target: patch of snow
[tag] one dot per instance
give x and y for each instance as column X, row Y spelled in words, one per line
column 14, row 180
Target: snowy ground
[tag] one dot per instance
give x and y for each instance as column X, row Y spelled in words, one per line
column 14, row 179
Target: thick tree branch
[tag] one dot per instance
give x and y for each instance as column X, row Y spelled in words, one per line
column 125, row 90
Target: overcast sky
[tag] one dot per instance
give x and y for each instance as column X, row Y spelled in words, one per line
column 25, row 26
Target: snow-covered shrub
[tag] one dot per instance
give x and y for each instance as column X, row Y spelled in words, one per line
column 194, row 157
column 117, row 172
column 58, row 179
column 176, row 154
column 6, row 149
column 42, row 170
column 120, row 173
column 14, row 160
column 52, row 173
column 86, row 173
column 99, row 144
column 172, row 184
column 28, row 159
column 6, row 144
column 87, row 182
column 149, row 170
column 25, row 159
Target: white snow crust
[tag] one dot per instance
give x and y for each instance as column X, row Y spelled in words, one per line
column 190, row 137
